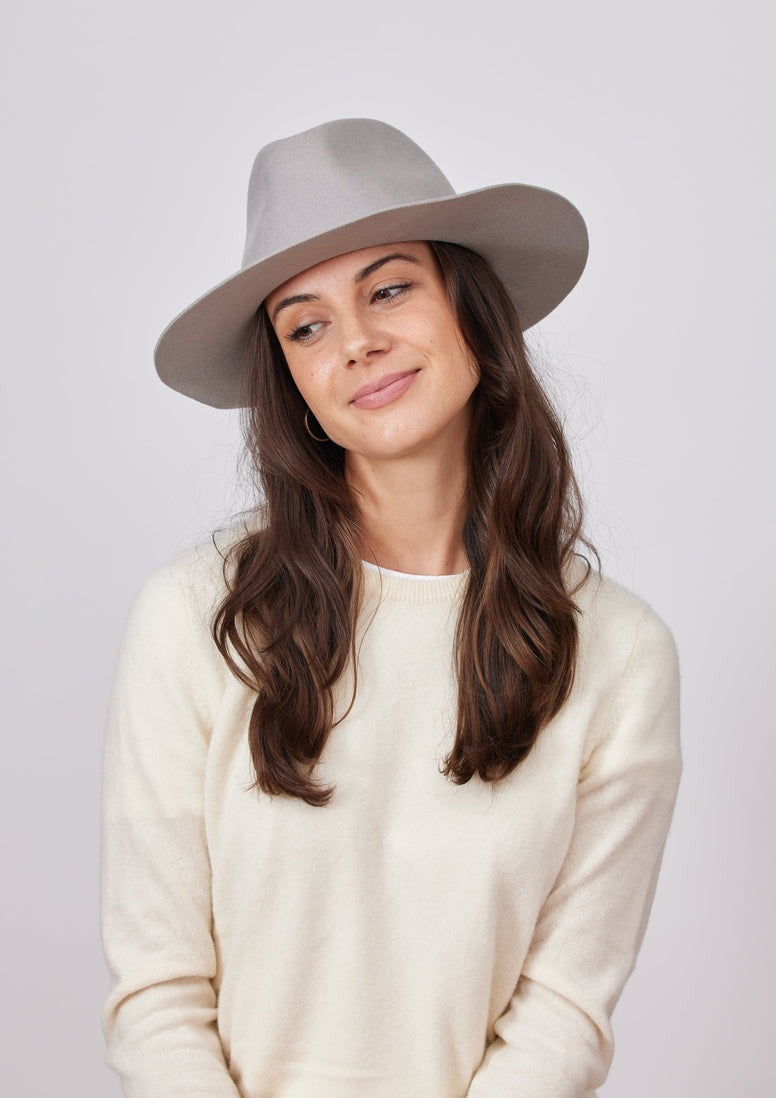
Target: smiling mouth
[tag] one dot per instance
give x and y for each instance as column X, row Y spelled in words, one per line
column 384, row 390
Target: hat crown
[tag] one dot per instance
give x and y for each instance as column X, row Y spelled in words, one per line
column 333, row 175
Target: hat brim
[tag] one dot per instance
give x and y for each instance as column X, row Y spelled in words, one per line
column 534, row 239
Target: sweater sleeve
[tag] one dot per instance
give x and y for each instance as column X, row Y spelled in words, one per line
column 160, row 1014
column 554, row 1040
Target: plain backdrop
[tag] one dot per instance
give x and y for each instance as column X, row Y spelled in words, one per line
column 128, row 135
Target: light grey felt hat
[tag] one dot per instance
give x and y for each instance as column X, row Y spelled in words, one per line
column 348, row 185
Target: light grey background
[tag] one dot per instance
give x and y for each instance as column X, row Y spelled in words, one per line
column 128, row 134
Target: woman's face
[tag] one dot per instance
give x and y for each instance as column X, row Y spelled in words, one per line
column 373, row 345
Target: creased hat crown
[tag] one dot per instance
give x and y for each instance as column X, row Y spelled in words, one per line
column 334, row 174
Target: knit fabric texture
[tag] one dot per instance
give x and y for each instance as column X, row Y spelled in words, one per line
column 414, row 938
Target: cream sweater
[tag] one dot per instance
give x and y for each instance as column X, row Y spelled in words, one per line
column 414, row 938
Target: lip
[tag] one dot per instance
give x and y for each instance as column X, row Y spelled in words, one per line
column 384, row 389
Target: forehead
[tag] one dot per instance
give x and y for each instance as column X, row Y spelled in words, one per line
column 346, row 266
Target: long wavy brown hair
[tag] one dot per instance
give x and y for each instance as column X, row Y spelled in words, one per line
column 287, row 625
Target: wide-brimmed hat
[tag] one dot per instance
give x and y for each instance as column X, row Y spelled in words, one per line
column 351, row 184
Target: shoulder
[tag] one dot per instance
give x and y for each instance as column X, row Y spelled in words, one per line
column 619, row 631
column 168, row 643
column 185, row 594
column 627, row 684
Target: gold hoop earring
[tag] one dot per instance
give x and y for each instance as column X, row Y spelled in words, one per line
column 307, row 427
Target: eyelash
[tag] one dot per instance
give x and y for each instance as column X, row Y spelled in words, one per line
column 295, row 335
column 399, row 288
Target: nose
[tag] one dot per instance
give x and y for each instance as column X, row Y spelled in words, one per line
column 363, row 339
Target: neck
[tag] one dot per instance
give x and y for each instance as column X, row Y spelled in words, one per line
column 412, row 514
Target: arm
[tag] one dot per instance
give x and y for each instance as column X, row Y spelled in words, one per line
column 160, row 1015
column 554, row 1040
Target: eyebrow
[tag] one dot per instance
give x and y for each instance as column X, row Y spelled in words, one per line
column 378, row 263
column 365, row 272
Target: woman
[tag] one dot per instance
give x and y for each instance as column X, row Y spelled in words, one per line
column 389, row 771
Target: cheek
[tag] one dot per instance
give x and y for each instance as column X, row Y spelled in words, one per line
column 315, row 384
column 301, row 374
column 467, row 370
column 293, row 367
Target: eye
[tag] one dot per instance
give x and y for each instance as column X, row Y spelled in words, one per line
column 389, row 293
column 304, row 332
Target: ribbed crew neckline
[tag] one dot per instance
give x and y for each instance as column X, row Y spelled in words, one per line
column 407, row 587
